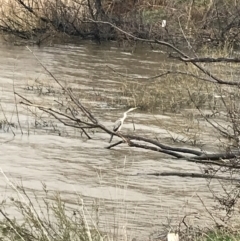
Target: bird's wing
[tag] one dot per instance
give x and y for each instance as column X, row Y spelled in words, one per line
column 117, row 125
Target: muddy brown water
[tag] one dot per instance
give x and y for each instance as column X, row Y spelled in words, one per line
column 138, row 205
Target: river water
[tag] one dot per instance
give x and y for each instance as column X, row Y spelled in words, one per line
column 50, row 153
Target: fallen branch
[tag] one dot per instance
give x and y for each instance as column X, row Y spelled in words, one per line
column 90, row 122
column 193, row 175
column 207, row 60
column 186, row 154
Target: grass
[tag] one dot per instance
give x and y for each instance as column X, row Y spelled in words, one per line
column 46, row 217
column 171, row 93
column 48, row 220
column 220, row 235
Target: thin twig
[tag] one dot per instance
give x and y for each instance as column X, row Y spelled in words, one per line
column 17, row 108
column 193, row 175
column 5, row 117
column 12, row 225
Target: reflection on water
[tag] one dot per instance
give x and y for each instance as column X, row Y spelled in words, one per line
column 71, row 164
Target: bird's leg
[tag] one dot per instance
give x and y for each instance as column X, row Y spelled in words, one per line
column 117, row 132
column 111, row 138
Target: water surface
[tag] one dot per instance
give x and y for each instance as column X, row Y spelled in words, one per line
column 74, row 165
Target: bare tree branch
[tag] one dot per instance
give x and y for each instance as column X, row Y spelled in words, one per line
column 181, row 53
column 207, row 59
column 193, row 175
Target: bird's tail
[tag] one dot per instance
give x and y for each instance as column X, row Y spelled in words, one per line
column 110, row 138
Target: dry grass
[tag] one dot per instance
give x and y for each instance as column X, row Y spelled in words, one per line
column 198, row 19
column 185, row 86
column 220, row 235
column 21, row 19
column 43, row 219
column 48, row 217
column 171, row 93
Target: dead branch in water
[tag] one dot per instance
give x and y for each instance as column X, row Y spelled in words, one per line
column 207, row 59
column 200, row 157
column 89, row 121
column 192, row 175
column 187, row 154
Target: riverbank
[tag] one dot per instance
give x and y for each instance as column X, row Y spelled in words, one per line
column 199, row 22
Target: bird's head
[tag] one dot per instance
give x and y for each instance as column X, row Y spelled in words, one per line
column 131, row 109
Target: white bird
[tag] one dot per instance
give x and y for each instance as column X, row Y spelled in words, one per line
column 119, row 123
